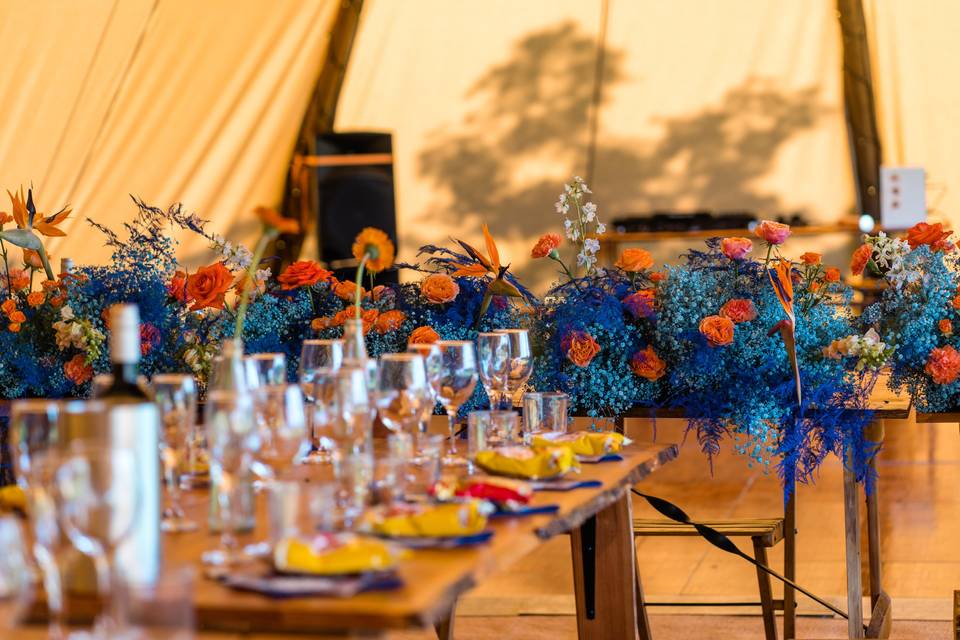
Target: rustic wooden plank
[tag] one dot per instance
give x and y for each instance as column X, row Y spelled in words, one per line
column 941, row 417
column 851, row 508
column 881, row 619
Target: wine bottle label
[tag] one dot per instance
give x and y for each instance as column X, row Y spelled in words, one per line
column 124, row 333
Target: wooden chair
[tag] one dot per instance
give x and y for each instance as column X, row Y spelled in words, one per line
column 764, row 532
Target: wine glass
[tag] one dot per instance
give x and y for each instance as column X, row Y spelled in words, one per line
column 317, row 357
column 493, row 355
column 282, row 421
column 433, row 362
column 98, row 495
column 15, row 575
column 403, row 390
column 521, row 361
column 34, row 436
column 352, row 413
column 458, row 378
column 265, row 369
column 231, row 438
column 176, row 398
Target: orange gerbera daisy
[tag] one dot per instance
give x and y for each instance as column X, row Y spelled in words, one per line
column 378, row 248
column 272, row 218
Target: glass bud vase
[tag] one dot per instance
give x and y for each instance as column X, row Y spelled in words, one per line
column 355, row 351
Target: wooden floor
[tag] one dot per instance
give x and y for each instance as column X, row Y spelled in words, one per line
column 919, row 494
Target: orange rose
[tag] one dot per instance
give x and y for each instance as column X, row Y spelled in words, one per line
column 736, row 248
column 717, row 330
column 32, row 259
column 860, row 259
column 931, row 234
column 739, row 310
column 19, row 279
column 347, row 289
column 369, row 318
column 633, row 260
column 955, row 303
column 772, row 232
column 647, row 364
column 547, row 244
column 943, row 365
column 17, row 317
column 389, row 321
column 302, row 273
column 832, row 274
column 658, row 276
column 207, row 287
column 36, row 298
column 381, row 292
column 342, row 316
column 272, row 218
column 77, row 370
column 439, row 288
column 377, row 246
column 14, row 327
column 9, row 306
column 58, row 300
column 319, row 324
column 423, row 335
column 946, row 327
column 580, row 348
column 811, row 258
column 641, row 304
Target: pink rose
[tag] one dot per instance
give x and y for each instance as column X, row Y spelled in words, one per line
column 772, row 232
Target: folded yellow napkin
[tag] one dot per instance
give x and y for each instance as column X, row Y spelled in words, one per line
column 522, row 462
column 334, row 555
column 583, row 443
column 12, row 497
column 429, row 521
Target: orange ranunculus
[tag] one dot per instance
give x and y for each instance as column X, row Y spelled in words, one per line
column 423, row 335
column 439, row 288
column 77, row 370
column 547, row 244
column 302, row 273
column 860, row 259
column 945, row 326
column 811, row 258
column 772, row 232
column 342, row 316
column 17, row 317
column 369, row 318
column 14, row 327
column 9, row 306
column 58, row 300
column 580, row 348
column 178, row 287
column 207, row 287
column 739, row 310
column 718, row 330
column 832, row 274
column 647, row 364
column 931, row 234
column 633, row 260
column 319, row 324
column 736, row 248
column 19, row 279
column 272, row 218
column 377, row 246
column 36, row 298
column 658, row 276
column 32, row 259
column 955, row 303
column 389, row 321
column 943, row 365
column 347, row 290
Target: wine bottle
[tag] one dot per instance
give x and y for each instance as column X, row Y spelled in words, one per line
column 66, row 266
column 125, row 354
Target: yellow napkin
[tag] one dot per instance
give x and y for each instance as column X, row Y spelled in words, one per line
column 521, row 462
column 435, row 521
column 12, row 497
column 583, row 443
column 327, row 556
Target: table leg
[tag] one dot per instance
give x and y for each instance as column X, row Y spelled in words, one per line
column 874, row 434
column 851, row 517
column 444, row 627
column 790, row 564
column 604, row 573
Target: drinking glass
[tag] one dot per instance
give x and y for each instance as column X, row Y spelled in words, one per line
column 490, row 429
column 493, row 356
column 433, row 362
column 544, row 412
column 263, row 369
column 98, row 495
column 354, row 473
column 282, row 422
column 458, row 378
column 423, row 468
column 521, row 361
column 163, row 609
column 317, row 358
column 403, row 390
column 15, row 575
column 34, row 437
column 389, row 479
column 351, row 424
column 176, row 397
column 232, row 437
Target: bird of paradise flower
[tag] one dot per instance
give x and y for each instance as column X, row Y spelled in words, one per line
column 475, row 264
column 781, row 279
column 28, row 223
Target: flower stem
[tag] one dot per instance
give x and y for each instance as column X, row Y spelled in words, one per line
column 360, row 268
column 565, row 269
column 484, row 305
column 268, row 235
column 46, row 263
column 6, row 267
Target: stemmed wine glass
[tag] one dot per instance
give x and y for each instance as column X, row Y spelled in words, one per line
column 433, row 362
column 282, row 422
column 521, row 361
column 176, row 398
column 15, row 578
column 98, row 495
column 493, row 353
column 264, row 369
column 318, row 357
column 458, row 377
column 232, row 437
column 402, row 390
column 351, row 424
column 34, row 436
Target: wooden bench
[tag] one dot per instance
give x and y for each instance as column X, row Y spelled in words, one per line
column 764, row 532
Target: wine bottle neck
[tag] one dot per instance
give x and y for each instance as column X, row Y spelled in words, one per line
column 126, row 372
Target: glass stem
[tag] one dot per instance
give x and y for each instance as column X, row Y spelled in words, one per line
column 227, row 540
column 170, row 464
column 452, row 419
column 53, row 586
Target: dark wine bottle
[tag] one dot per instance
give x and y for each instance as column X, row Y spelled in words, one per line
column 125, row 354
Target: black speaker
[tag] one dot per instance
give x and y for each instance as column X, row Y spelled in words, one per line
column 355, row 190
